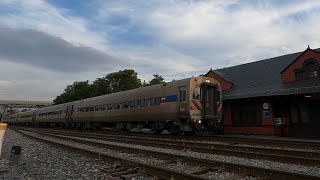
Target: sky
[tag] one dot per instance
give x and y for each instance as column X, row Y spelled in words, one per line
column 47, row 44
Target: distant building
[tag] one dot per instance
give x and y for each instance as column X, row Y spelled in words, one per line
column 259, row 96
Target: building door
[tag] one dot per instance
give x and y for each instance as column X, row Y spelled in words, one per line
column 315, row 118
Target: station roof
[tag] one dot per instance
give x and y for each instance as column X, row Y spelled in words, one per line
column 25, row 104
column 263, row 78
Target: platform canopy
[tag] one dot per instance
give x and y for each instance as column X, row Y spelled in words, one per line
column 24, row 104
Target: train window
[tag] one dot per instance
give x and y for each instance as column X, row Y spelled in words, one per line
column 126, row 105
column 117, row 106
column 86, row 109
column 138, row 102
column 97, row 108
column 142, row 103
column 146, row 102
column 218, row 96
column 103, row 107
column 92, row 108
column 132, row 104
column 152, row 102
column 183, row 95
column 197, row 93
column 158, row 100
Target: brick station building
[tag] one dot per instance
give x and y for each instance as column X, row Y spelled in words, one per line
column 284, row 88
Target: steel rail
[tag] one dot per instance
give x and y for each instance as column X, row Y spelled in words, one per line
column 224, row 139
column 153, row 170
column 238, row 168
column 278, row 155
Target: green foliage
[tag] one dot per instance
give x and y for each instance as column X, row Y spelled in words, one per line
column 157, row 79
column 76, row 91
column 111, row 83
column 100, row 86
column 123, row 80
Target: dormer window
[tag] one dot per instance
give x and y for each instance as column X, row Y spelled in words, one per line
column 310, row 69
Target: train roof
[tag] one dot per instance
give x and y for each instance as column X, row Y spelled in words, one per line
column 136, row 90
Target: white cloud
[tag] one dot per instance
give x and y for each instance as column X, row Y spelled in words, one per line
column 39, row 15
column 185, row 38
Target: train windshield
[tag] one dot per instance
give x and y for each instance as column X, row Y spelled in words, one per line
column 208, row 97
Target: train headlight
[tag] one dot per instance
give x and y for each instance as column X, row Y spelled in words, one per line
column 199, row 121
column 208, row 81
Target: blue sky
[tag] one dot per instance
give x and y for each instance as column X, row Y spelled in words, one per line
column 46, row 45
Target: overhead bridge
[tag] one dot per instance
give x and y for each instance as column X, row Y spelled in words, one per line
column 22, row 104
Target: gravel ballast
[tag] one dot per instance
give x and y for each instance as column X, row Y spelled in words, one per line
column 294, row 168
column 42, row 161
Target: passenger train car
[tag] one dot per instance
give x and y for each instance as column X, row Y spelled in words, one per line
column 190, row 105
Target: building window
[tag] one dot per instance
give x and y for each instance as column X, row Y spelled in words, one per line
column 245, row 113
column 294, row 114
column 310, row 69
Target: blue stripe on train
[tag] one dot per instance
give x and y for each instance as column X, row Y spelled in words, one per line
column 171, row 98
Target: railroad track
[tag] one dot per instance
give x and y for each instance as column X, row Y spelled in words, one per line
column 218, row 138
column 207, row 165
column 293, row 156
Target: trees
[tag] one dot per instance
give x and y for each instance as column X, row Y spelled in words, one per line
column 100, row 87
column 111, row 83
column 157, row 79
column 123, row 80
column 78, row 90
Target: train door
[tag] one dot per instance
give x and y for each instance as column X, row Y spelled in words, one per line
column 183, row 109
column 34, row 117
column 69, row 113
column 66, row 116
column 208, row 101
column 182, row 101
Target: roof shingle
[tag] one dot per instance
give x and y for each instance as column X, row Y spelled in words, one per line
column 263, row 78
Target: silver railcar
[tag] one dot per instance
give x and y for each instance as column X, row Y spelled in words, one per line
column 188, row 105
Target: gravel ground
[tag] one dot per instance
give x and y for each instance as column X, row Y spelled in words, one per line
column 42, row 161
column 315, row 171
column 136, row 157
column 294, row 168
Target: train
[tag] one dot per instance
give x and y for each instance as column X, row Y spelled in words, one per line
column 187, row 106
